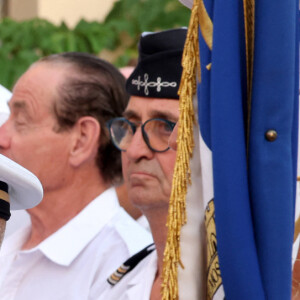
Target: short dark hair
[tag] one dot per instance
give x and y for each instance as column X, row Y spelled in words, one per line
column 96, row 89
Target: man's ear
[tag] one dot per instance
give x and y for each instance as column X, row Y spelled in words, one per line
column 85, row 140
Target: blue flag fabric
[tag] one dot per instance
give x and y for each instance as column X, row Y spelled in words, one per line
column 254, row 196
column 272, row 165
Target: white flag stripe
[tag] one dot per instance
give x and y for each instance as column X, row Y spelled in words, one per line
column 191, row 279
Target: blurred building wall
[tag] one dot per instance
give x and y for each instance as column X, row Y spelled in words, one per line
column 22, row 10
column 56, row 11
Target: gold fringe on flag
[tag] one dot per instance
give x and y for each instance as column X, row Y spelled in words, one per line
column 185, row 145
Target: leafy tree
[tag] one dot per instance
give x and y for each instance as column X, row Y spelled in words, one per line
column 22, row 43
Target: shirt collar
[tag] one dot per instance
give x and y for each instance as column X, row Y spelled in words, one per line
column 64, row 245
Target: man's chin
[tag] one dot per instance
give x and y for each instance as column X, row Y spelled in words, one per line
column 138, row 194
column 11, row 158
column 6, row 155
column 144, row 198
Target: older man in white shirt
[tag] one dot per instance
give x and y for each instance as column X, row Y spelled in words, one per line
column 79, row 233
column 18, row 217
column 142, row 134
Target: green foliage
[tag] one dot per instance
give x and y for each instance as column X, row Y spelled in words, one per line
column 22, row 43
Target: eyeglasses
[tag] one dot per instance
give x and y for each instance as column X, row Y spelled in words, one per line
column 155, row 132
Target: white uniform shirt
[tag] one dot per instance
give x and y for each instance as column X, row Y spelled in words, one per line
column 142, row 220
column 76, row 259
column 136, row 285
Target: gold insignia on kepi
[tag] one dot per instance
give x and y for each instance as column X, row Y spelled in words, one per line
column 4, row 196
column 4, row 201
column 4, row 191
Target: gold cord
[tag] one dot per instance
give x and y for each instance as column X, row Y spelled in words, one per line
column 185, row 145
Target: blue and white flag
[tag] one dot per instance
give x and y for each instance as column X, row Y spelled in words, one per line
column 248, row 119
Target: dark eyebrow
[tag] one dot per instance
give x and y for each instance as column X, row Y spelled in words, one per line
column 19, row 105
column 130, row 114
column 163, row 115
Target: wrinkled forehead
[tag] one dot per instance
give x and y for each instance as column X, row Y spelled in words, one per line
column 142, row 108
column 38, row 86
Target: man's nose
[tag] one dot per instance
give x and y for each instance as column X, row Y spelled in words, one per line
column 138, row 148
column 4, row 137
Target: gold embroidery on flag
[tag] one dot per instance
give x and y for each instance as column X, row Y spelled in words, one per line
column 214, row 279
column 206, row 25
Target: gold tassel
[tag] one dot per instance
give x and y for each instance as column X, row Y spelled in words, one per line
column 185, row 145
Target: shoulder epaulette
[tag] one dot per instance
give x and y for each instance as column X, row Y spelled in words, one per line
column 129, row 265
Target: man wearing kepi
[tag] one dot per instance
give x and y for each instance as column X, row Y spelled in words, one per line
column 79, row 234
column 19, row 188
column 142, row 135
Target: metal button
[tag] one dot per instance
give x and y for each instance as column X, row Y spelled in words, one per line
column 271, row 135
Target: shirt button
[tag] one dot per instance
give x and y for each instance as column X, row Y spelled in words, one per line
column 271, row 135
